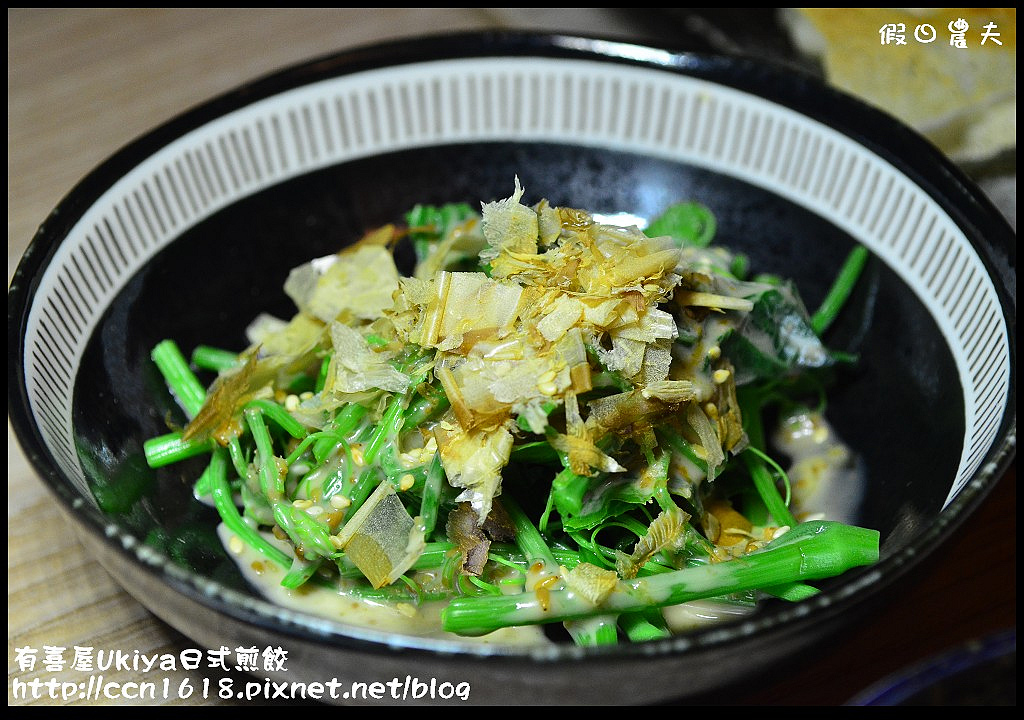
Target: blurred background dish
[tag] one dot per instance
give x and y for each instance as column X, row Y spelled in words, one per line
column 963, row 99
column 982, row 673
column 122, row 98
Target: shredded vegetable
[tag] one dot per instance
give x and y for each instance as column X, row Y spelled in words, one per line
column 549, row 421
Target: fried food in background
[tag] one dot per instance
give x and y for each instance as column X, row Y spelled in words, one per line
column 962, row 99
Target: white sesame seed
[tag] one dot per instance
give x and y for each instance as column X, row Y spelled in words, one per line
column 406, row 609
column 357, row 455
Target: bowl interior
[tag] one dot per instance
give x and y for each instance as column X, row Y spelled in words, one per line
column 206, row 286
column 190, row 233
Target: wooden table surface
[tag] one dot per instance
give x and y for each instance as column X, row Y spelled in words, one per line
column 81, row 83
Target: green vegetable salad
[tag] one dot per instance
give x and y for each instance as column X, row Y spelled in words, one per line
column 551, row 422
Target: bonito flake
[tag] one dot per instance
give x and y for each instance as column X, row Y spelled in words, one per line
column 512, row 343
column 356, row 367
column 353, row 285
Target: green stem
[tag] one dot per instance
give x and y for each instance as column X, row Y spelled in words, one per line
column 384, row 432
column 300, row 572
column 679, row 444
column 179, row 376
column 321, row 376
column 840, row 290
column 761, row 475
column 215, row 477
column 431, row 403
column 808, row 552
column 599, row 630
column 215, row 359
column 305, row 531
column 344, row 422
column 431, row 501
column 238, row 459
column 271, row 483
column 764, row 482
column 281, row 417
column 528, row 539
column 644, row 626
column 172, row 447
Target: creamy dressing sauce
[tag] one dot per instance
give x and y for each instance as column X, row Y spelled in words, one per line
column 334, row 604
column 701, row 613
column 827, row 481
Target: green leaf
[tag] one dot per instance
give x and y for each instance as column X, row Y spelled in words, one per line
column 690, row 223
column 567, row 491
column 611, row 497
column 775, row 340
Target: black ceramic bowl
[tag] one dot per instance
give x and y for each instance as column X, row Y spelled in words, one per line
column 189, row 232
